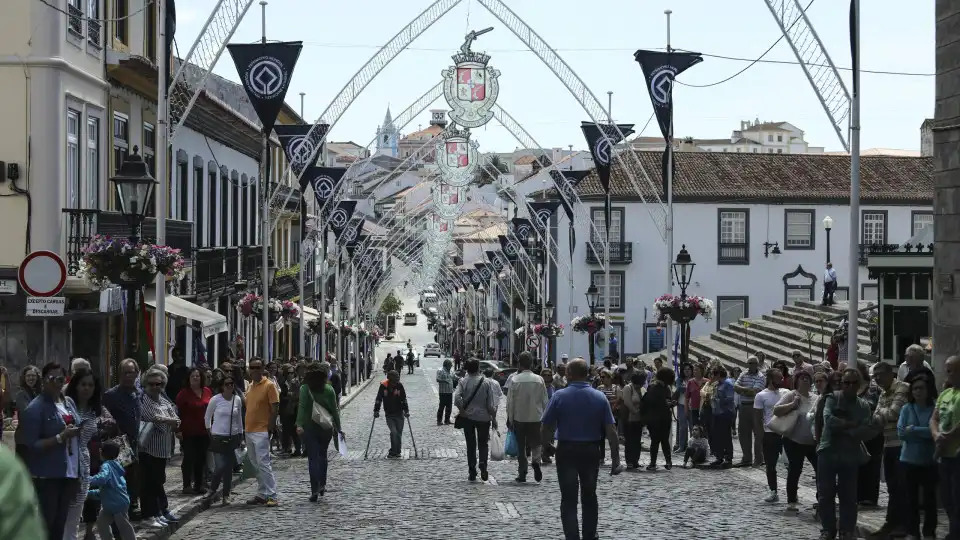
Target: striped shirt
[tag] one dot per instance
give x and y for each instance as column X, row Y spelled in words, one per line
column 750, row 380
column 446, row 381
column 159, row 441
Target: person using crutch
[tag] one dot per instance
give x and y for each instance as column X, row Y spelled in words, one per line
column 393, row 397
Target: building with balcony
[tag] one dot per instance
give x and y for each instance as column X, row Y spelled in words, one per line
column 753, row 224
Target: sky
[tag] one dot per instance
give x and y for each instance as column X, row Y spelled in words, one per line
column 597, row 40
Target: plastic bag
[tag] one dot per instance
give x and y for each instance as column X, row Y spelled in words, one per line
column 510, row 445
column 496, row 446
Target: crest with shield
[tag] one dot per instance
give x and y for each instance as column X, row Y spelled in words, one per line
column 470, row 85
column 457, row 156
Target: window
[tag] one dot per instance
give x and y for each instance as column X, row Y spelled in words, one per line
column 150, row 47
column 183, row 187
column 873, row 228
column 618, row 332
column 74, row 19
column 739, row 150
column 213, row 237
column 769, row 150
column 121, row 139
column 616, row 225
column 779, row 150
column 779, row 138
column 617, row 297
column 121, row 11
column 198, row 205
column 869, row 292
column 93, row 23
column 73, row 158
column 223, row 204
column 733, row 236
column 91, row 192
column 653, row 337
column 769, row 138
column 150, row 148
column 798, row 229
column 730, row 309
column 754, row 150
column 235, row 207
column 799, row 293
column 920, row 220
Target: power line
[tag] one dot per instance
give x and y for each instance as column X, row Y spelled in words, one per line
column 146, row 5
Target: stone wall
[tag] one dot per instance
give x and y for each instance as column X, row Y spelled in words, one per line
column 946, row 203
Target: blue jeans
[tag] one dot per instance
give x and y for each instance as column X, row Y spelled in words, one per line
column 223, row 465
column 315, row 442
column 836, row 481
column 578, row 466
column 950, row 494
column 395, row 425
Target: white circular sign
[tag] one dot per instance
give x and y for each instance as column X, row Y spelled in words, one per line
column 661, row 85
column 301, row 148
column 602, row 150
column 42, row 273
column 350, row 234
column 266, row 78
column 543, row 215
column 323, row 186
column 339, row 218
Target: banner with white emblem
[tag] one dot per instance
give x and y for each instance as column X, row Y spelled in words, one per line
column 297, row 146
column 341, row 215
column 325, row 182
column 541, row 212
column 602, row 138
column 265, row 70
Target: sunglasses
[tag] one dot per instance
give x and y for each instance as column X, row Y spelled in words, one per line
column 154, row 384
column 56, row 378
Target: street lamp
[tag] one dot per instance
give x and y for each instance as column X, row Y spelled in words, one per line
column 683, row 271
column 134, row 189
column 341, row 333
column 593, row 296
column 549, row 309
column 828, row 226
column 271, row 271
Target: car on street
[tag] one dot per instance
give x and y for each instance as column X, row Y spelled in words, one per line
column 488, row 365
column 409, row 319
column 432, row 349
column 502, row 375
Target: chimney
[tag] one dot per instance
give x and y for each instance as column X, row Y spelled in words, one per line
column 438, row 117
column 736, row 136
column 687, row 145
column 926, row 138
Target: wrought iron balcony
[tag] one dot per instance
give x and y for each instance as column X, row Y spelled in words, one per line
column 251, row 262
column 890, row 249
column 80, row 226
column 210, row 278
column 293, row 204
column 75, row 20
column 620, row 252
column 733, row 253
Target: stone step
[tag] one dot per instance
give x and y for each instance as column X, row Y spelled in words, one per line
column 774, row 352
column 706, row 346
column 811, row 317
column 840, row 308
column 785, row 345
column 797, row 328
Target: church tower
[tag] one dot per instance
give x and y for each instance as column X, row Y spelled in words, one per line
column 388, row 138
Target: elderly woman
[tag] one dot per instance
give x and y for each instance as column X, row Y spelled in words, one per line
column 76, row 365
column 158, row 421
column 30, row 387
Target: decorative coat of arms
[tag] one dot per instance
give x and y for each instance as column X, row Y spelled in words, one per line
column 471, row 86
column 439, row 224
column 446, row 199
column 457, row 156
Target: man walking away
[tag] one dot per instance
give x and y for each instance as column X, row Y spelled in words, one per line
column 393, row 397
column 526, row 403
column 829, row 284
column 263, row 405
column 446, row 384
column 581, row 415
column 410, row 359
column 750, row 383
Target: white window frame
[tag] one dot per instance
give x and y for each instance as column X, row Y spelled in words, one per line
column 74, row 160
column 917, row 225
column 617, row 297
column 150, row 152
column 616, row 232
column 874, row 227
column 798, row 228
column 94, row 24
column 729, row 223
column 75, row 34
column 725, row 305
column 94, row 153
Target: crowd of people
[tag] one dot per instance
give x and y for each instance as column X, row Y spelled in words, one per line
column 98, row 457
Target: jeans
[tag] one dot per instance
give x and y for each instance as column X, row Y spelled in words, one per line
column 772, row 443
column 683, row 428
column 258, row 449
column 751, row 441
column 316, row 441
column 660, row 438
column 120, row 521
column 578, row 466
column 55, row 496
column 528, row 435
column 920, row 485
column 477, row 435
column 632, row 443
column 722, row 436
column 897, row 500
column 223, row 471
column 868, row 477
column 836, row 481
column 796, row 453
column 446, row 405
column 153, row 475
column 395, row 425
column 194, row 450
column 950, row 494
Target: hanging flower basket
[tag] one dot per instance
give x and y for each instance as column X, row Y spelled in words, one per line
column 252, row 305
column 314, row 326
column 588, row 324
column 471, row 332
column 110, row 261
column 548, row 330
column 289, row 310
column 502, row 334
column 520, row 330
column 346, row 329
column 682, row 310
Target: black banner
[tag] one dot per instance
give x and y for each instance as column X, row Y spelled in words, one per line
column 601, row 138
column 522, row 228
column 341, row 215
column 855, row 46
column 475, row 280
column 299, row 149
column 660, row 69
column 510, row 249
column 496, row 261
column 541, row 212
column 486, row 271
column 352, row 233
column 356, row 244
column 265, row 70
column 567, row 182
column 170, row 28
column 325, row 182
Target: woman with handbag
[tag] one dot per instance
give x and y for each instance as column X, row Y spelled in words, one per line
column 763, row 404
column 792, row 420
column 318, row 419
column 224, row 422
column 158, row 421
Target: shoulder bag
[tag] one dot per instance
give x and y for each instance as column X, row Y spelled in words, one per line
column 458, row 422
column 320, row 415
column 784, row 425
column 224, row 444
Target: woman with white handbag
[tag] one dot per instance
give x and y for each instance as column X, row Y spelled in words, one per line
column 318, row 419
column 158, row 421
column 792, row 421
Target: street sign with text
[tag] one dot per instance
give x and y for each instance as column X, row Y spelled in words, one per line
column 40, row 306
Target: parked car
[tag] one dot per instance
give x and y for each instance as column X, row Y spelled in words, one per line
column 502, row 375
column 432, row 349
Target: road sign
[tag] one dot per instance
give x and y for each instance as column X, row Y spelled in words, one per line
column 41, row 306
column 533, row 341
column 42, row 273
column 8, row 286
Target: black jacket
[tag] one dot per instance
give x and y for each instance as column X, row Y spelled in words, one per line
column 393, row 399
column 655, row 405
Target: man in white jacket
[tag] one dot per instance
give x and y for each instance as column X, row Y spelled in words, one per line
column 526, row 402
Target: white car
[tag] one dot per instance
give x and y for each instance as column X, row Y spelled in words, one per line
column 432, row 349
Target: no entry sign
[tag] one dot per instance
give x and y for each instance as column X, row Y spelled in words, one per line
column 42, row 273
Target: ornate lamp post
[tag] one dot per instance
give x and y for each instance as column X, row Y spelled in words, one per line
column 828, row 226
column 683, row 272
column 484, row 324
column 134, row 190
column 343, row 333
column 593, row 296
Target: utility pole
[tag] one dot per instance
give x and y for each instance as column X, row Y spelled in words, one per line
column 163, row 187
column 668, row 226
column 853, row 314
column 265, row 218
column 606, row 249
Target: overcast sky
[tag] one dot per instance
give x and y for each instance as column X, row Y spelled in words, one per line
column 597, row 39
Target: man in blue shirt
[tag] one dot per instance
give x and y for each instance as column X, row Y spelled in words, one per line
column 723, row 406
column 582, row 417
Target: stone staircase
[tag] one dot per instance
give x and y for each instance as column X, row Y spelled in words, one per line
column 804, row 326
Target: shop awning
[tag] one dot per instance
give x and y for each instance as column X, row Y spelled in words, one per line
column 211, row 322
column 310, row 314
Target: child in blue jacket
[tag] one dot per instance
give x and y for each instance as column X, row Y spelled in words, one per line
column 112, row 492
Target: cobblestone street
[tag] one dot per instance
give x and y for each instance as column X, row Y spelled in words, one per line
column 431, row 497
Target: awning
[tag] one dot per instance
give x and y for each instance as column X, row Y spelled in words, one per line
column 211, row 322
column 310, row 314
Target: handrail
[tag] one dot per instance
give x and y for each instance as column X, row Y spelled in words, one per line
column 823, row 350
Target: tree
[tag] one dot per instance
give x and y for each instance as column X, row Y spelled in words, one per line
column 391, row 305
column 486, row 175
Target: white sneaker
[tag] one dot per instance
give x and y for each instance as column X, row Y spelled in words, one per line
column 772, row 498
column 153, row 523
column 792, row 507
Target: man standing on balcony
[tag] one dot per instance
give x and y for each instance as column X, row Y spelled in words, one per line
column 829, row 284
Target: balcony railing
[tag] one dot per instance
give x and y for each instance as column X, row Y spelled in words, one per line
column 75, row 21
column 733, row 253
column 209, row 275
column 620, row 252
column 251, row 261
column 282, row 190
column 888, row 249
column 81, row 225
column 93, row 32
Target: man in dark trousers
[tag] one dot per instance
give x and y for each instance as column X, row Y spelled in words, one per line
column 582, row 416
column 393, row 398
column 410, row 359
column 446, row 384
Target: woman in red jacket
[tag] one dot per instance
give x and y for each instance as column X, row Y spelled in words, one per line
column 192, row 403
